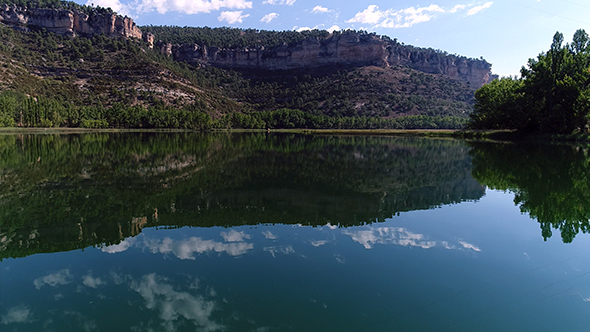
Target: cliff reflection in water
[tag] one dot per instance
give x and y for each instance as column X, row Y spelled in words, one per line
column 550, row 182
column 64, row 192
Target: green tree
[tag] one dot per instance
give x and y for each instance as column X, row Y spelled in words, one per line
column 499, row 105
column 553, row 95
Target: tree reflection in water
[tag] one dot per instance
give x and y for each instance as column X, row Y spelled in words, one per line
column 550, row 182
column 64, row 192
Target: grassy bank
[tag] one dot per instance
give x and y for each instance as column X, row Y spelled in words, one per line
column 514, row 135
column 491, row 135
column 356, row 132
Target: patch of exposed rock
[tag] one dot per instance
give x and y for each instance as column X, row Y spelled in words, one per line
column 346, row 49
column 68, row 22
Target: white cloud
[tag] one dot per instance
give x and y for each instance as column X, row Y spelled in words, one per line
column 234, row 236
column 185, row 249
column 115, row 248
column 269, row 17
column 333, row 28
column 319, row 9
column 330, row 29
column 371, row 15
column 232, row 17
column 89, row 281
column 390, row 18
column 172, row 305
column 188, row 7
column 318, row 243
column 332, row 227
column 457, row 8
column 405, row 18
column 477, row 9
column 299, row 29
column 62, row 277
column 18, row 314
column 116, row 5
column 269, row 235
column 279, row 2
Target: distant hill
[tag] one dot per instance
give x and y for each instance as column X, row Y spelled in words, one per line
column 62, row 64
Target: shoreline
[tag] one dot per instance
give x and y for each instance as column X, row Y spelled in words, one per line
column 479, row 135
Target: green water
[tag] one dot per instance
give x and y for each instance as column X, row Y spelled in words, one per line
column 268, row 232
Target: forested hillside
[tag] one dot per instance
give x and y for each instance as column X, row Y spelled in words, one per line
column 50, row 80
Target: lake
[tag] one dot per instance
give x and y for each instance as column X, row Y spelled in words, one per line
column 287, row 232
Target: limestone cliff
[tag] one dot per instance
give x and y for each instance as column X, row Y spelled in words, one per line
column 341, row 49
column 476, row 72
column 69, row 22
column 347, row 49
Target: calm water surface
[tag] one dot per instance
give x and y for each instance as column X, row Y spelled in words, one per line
column 257, row 232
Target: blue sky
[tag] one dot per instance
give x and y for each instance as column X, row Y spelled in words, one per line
column 505, row 32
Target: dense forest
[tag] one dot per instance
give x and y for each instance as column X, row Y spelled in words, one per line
column 551, row 96
column 48, row 80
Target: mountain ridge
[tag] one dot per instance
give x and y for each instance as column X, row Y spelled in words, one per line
column 100, row 74
column 348, row 48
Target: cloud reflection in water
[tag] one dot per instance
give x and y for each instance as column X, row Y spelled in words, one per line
column 402, row 237
column 189, row 247
column 18, row 314
column 60, row 278
column 173, row 306
column 185, row 249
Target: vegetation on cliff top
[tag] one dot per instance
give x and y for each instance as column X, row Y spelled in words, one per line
column 229, row 37
column 57, row 4
column 552, row 96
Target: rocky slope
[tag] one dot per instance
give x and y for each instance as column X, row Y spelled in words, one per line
column 69, row 22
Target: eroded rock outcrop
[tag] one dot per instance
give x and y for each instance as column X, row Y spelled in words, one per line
column 69, row 22
column 346, row 49
column 476, row 72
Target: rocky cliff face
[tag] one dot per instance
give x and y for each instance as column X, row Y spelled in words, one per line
column 476, row 72
column 347, row 49
column 67, row 22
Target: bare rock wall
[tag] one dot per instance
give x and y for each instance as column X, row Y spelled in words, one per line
column 70, row 23
column 347, row 49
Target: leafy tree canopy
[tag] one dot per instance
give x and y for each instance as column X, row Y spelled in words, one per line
column 552, row 96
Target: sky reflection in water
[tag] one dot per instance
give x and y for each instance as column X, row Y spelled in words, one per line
column 454, row 268
column 410, row 243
